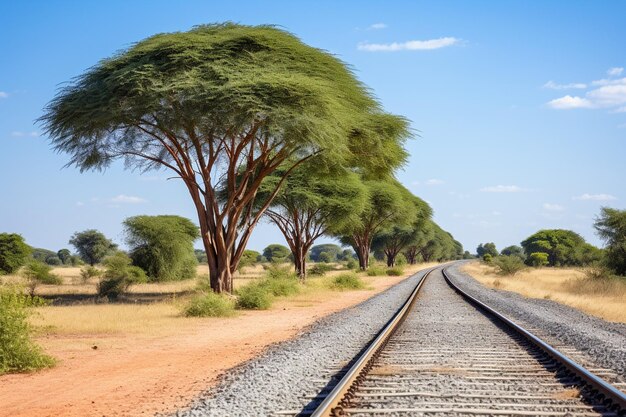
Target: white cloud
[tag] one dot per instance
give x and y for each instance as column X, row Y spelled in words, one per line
column 127, row 199
column 434, row 181
column 409, row 45
column 3, row 94
column 554, row 86
column 595, row 197
column 20, row 134
column 569, row 102
column 377, row 26
column 609, row 95
column 615, row 71
column 553, row 207
column 502, row 189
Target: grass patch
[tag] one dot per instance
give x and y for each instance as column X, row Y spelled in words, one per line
column 254, row 296
column 347, row 281
column 18, row 353
column 376, row 271
column 281, row 287
column 395, row 271
column 209, row 304
column 320, row 269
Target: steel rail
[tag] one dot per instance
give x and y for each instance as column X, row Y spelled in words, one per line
column 600, row 389
column 343, row 390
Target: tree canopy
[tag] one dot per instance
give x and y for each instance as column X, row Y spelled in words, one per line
column 611, row 227
column 162, row 246
column 487, row 248
column 276, row 253
column 14, row 252
column 223, row 105
column 92, row 246
column 563, row 247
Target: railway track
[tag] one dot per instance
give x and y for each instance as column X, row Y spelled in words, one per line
column 445, row 353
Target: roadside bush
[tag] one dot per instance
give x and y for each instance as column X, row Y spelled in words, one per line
column 281, row 287
column 508, row 265
column 254, row 296
column 376, row 271
column 36, row 273
column 487, row 257
column 88, row 271
column 537, row 259
column 119, row 275
column 347, row 281
column 18, row 353
column 209, row 305
column 395, row 271
column 320, row 269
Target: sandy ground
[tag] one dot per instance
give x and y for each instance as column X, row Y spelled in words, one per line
column 141, row 374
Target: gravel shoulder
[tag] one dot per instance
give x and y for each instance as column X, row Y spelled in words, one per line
column 597, row 343
column 289, row 374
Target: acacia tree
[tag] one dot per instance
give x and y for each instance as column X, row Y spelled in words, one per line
column 312, row 204
column 611, row 227
column 221, row 106
column 92, row 246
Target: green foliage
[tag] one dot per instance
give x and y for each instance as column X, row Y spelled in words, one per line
column 254, row 296
column 395, row 271
column 611, row 227
column 249, row 258
column 13, row 252
column 40, row 254
column 487, row 248
column 281, row 287
column 210, row 304
column 487, row 257
column 537, row 259
column 508, row 264
column 92, row 246
column 346, row 255
column 36, row 273
column 200, row 256
column 514, row 250
column 279, row 272
column 351, row 264
column 331, row 253
column 162, row 246
column 18, row 353
column 564, row 247
column 376, row 271
column 276, row 253
column 119, row 275
column 467, row 255
column 65, row 256
column 54, row 260
column 401, row 260
column 87, row 272
column 347, row 281
column 321, row 269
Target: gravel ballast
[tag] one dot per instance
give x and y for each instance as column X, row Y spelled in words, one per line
column 289, row 374
column 599, row 343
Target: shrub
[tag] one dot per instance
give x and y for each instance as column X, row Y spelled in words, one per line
column 281, row 287
column 14, row 252
column 254, row 296
column 351, row 264
column 209, row 305
column 597, row 272
column 248, row 258
column 324, row 257
column 376, row 271
column 347, row 281
column 395, row 271
column 508, row 265
column 119, row 276
column 275, row 271
column 88, row 271
column 487, row 257
column 36, row 273
column 54, row 260
column 320, row 269
column 17, row 351
column 401, row 259
column 537, row 259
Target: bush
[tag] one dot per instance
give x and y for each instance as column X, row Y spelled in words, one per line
column 598, row 272
column 401, row 260
column 17, row 351
column 320, row 269
column 36, row 273
column 14, row 252
column 347, row 281
column 281, row 287
column 88, row 272
column 275, row 271
column 376, row 271
column 538, row 259
column 54, row 260
column 395, row 271
column 508, row 265
column 119, row 276
column 210, row 304
column 324, row 257
column 254, row 296
column 487, row 257
column 351, row 264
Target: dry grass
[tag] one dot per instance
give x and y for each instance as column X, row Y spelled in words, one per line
column 604, row 298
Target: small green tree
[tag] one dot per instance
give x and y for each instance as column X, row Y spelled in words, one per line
column 119, row 275
column 508, row 264
column 276, row 253
column 331, row 250
column 14, row 252
column 487, row 248
column 37, row 272
column 487, row 257
column 249, row 258
column 611, row 227
column 87, row 272
column 65, row 256
column 514, row 250
column 54, row 260
column 564, row 247
column 92, row 246
column 162, row 246
column 538, row 259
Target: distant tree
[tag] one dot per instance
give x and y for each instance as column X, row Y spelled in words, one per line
column 37, row 272
column 65, row 256
column 14, row 252
column 249, row 258
column 467, row 255
column 54, row 260
column 611, row 227
column 563, row 247
column 333, row 251
column 276, row 253
column 162, row 246
column 537, row 259
column 346, row 255
column 514, row 250
column 200, row 256
column 92, row 246
column 40, row 254
column 487, row 248
column 221, row 105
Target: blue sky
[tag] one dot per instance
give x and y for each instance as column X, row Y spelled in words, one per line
column 521, row 107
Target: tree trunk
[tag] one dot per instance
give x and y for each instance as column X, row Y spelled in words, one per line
column 299, row 260
column 411, row 255
column 362, row 252
column 391, row 260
